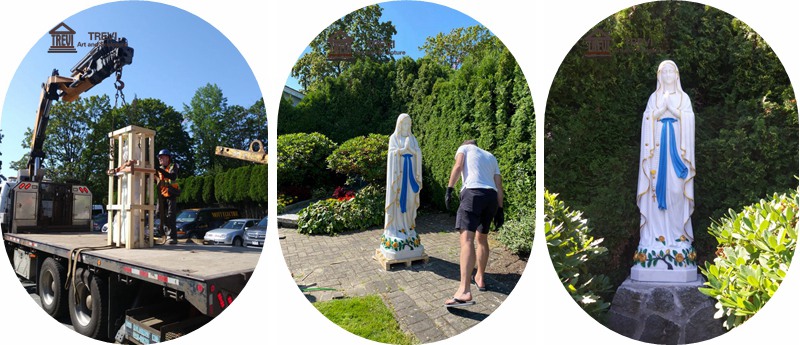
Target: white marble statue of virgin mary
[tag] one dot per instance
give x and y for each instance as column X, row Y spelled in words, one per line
column 665, row 193
column 403, row 183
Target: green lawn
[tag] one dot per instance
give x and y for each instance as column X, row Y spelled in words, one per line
column 366, row 317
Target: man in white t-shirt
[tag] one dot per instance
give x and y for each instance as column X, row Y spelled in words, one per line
column 481, row 201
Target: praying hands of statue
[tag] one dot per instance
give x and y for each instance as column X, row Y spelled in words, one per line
column 666, row 106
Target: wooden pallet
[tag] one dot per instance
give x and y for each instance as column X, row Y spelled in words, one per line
column 387, row 264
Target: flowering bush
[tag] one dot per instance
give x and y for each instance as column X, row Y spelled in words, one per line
column 755, row 249
column 283, row 201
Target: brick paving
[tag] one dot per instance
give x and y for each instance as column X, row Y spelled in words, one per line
column 416, row 293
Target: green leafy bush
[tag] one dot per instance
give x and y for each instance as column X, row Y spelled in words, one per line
column 301, row 161
column 331, row 216
column 755, row 249
column 362, row 157
column 517, row 235
column 572, row 248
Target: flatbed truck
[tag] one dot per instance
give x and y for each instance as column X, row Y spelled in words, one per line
column 140, row 296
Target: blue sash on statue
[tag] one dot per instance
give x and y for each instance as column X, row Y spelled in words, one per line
column 677, row 163
column 408, row 177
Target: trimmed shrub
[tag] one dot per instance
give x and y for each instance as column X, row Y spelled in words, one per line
column 517, row 234
column 186, row 185
column 208, row 189
column 258, row 184
column 362, row 158
column 572, row 248
column 332, row 216
column 242, row 184
column 219, row 186
column 756, row 247
column 301, row 162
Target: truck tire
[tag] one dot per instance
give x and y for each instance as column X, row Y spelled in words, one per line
column 88, row 302
column 237, row 242
column 51, row 288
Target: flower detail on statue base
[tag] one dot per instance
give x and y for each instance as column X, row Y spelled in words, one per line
column 399, row 245
column 647, row 258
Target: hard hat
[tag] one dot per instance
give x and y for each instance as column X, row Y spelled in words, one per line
column 164, row 152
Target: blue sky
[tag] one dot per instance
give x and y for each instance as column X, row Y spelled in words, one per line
column 415, row 21
column 175, row 53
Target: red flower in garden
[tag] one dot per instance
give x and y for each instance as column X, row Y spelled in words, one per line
column 342, row 194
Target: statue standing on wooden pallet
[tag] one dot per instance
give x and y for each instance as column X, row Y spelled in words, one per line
column 400, row 240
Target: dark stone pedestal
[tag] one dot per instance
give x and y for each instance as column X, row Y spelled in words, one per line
column 664, row 313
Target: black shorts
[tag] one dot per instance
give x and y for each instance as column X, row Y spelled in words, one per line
column 477, row 209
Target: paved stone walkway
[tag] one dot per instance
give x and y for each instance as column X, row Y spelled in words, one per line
column 417, row 293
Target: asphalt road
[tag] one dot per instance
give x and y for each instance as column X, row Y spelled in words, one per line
column 31, row 288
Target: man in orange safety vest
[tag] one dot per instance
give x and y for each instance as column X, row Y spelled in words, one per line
column 168, row 192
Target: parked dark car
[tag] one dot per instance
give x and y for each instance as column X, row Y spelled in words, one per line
column 255, row 235
column 195, row 222
column 99, row 220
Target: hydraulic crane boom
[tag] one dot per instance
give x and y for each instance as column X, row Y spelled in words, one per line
column 106, row 58
column 258, row 155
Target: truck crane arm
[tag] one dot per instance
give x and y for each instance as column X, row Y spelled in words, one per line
column 257, row 152
column 106, row 58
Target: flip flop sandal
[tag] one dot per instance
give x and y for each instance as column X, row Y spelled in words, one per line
column 484, row 288
column 459, row 303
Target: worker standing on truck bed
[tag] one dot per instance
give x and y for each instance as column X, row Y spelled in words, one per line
column 168, row 192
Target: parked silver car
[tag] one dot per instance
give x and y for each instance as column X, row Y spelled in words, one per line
column 231, row 232
column 254, row 236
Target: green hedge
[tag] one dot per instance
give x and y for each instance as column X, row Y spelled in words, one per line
column 487, row 99
column 746, row 120
column 258, row 184
column 247, row 184
column 756, row 247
